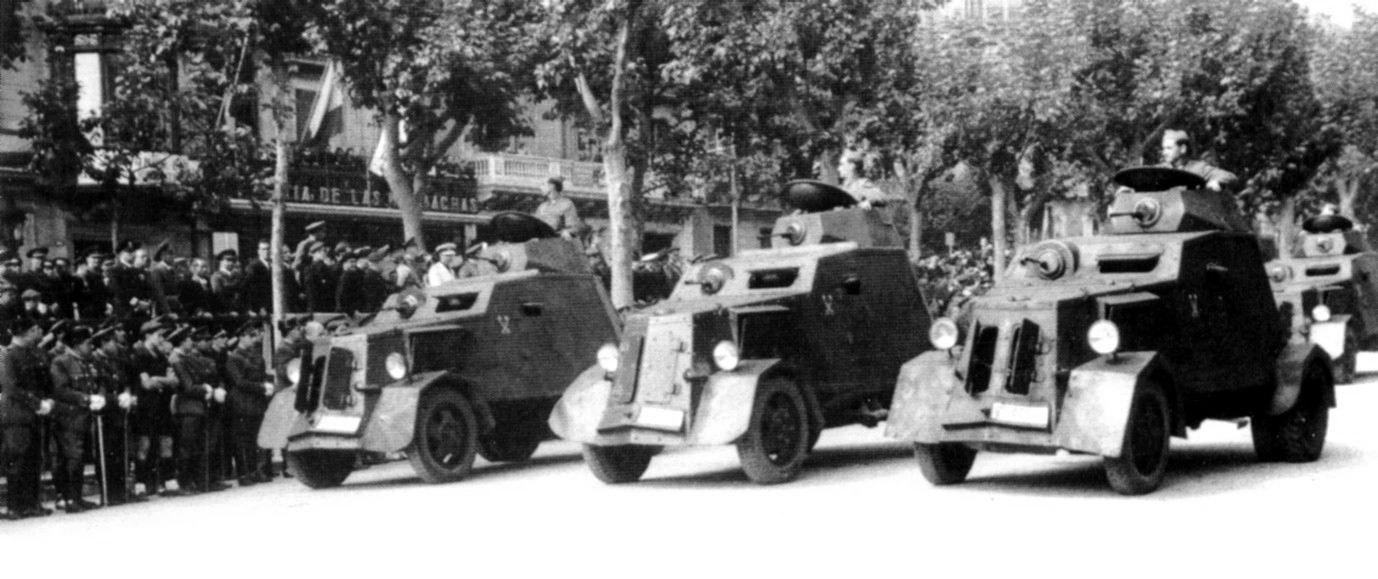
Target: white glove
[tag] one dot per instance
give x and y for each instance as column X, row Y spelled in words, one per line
column 219, row 395
column 209, row 391
column 125, row 400
column 45, row 407
column 97, row 402
column 268, row 389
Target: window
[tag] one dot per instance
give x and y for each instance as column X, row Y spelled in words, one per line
column 722, row 240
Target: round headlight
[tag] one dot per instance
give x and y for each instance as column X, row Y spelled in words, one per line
column 726, row 355
column 1104, row 337
column 713, row 277
column 396, row 365
column 943, row 333
column 1320, row 313
column 795, row 232
column 293, row 371
column 1279, row 273
column 609, row 357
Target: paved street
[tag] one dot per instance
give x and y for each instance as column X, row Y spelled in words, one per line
column 860, row 507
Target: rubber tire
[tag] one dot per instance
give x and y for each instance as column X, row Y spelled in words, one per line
column 778, row 404
column 321, row 469
column 619, row 464
column 1139, row 468
column 944, row 463
column 423, row 450
column 508, row 445
column 1297, row 435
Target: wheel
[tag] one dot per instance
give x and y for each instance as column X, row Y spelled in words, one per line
column 619, row 464
column 321, row 469
column 1345, row 364
column 508, row 445
column 446, row 437
column 777, row 440
column 944, row 464
column 1297, row 435
column 1147, row 436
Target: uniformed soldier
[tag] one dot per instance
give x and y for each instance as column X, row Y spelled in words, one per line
column 27, row 400
column 1177, row 155
column 376, row 288
column 294, row 345
column 112, row 372
column 197, row 388
column 94, row 298
column 152, row 424
column 441, row 271
column 128, row 281
column 315, row 233
column 221, row 444
column 75, row 386
column 250, row 389
column 320, row 281
column 350, row 296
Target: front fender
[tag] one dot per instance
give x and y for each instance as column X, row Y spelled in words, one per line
column 581, row 407
column 724, row 411
column 1099, row 395
column 1291, row 368
column 392, row 423
column 280, row 420
column 925, row 387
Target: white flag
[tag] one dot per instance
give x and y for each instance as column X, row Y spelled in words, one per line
column 330, row 98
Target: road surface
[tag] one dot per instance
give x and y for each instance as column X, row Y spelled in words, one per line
column 860, row 508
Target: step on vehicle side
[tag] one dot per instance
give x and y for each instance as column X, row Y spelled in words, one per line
column 762, row 350
column 1110, row 345
column 1327, row 290
column 470, row 366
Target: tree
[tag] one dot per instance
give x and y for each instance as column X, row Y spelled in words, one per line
column 448, row 70
column 11, row 34
column 1345, row 72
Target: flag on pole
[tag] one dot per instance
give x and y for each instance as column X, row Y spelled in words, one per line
column 329, row 101
column 375, row 165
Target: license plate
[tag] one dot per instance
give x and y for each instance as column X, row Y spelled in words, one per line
column 1020, row 414
column 658, row 418
column 338, row 424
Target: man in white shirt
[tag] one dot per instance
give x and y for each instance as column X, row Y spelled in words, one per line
column 441, row 271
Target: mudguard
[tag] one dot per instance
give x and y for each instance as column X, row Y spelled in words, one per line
column 280, row 420
column 722, row 415
column 392, row 424
column 581, row 407
column 1095, row 411
column 925, row 385
column 1291, row 368
column 1330, row 335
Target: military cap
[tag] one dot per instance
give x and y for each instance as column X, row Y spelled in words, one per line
column 227, row 254
column 103, row 335
column 61, row 262
column 60, row 326
column 77, row 335
column 220, row 334
column 47, row 263
column 30, row 293
column 361, row 252
column 317, row 246
column 162, row 247
column 410, row 242
column 10, row 258
column 128, row 245
column 447, row 246
column 179, row 335
column 341, row 248
column 6, row 286
column 314, row 226
column 39, row 251
column 179, row 260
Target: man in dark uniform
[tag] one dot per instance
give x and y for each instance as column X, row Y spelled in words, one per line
column 10, row 268
column 320, row 281
column 315, row 233
column 258, row 280
column 376, row 288
column 75, row 386
column 27, row 400
column 221, row 450
column 94, row 298
column 68, row 287
column 227, row 282
column 294, row 345
column 113, row 374
column 250, row 389
column 162, row 280
column 195, row 290
column 128, row 281
column 197, row 388
column 351, row 294
column 152, row 427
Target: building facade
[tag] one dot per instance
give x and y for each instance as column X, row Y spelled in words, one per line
column 329, row 177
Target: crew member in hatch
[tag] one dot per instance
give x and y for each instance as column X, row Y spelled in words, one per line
column 1177, row 155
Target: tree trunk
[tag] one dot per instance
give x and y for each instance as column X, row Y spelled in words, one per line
column 400, row 184
column 621, row 232
column 999, row 194
column 916, row 217
column 284, row 158
column 1348, row 190
column 827, row 166
column 1286, row 226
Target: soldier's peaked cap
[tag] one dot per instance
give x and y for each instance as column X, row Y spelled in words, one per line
column 103, row 335
column 314, row 226
column 317, row 246
column 37, row 251
column 444, row 247
column 180, row 334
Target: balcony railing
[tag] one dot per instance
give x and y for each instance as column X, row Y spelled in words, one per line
column 527, row 172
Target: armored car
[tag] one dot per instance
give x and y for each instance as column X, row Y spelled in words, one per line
column 470, row 366
column 762, row 350
column 1110, row 345
column 1327, row 290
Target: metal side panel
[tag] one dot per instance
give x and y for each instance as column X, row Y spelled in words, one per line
column 280, row 421
column 392, row 424
column 724, row 411
column 577, row 415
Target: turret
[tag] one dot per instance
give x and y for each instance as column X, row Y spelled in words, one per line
column 521, row 242
column 826, row 214
column 1329, row 235
column 1162, row 200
